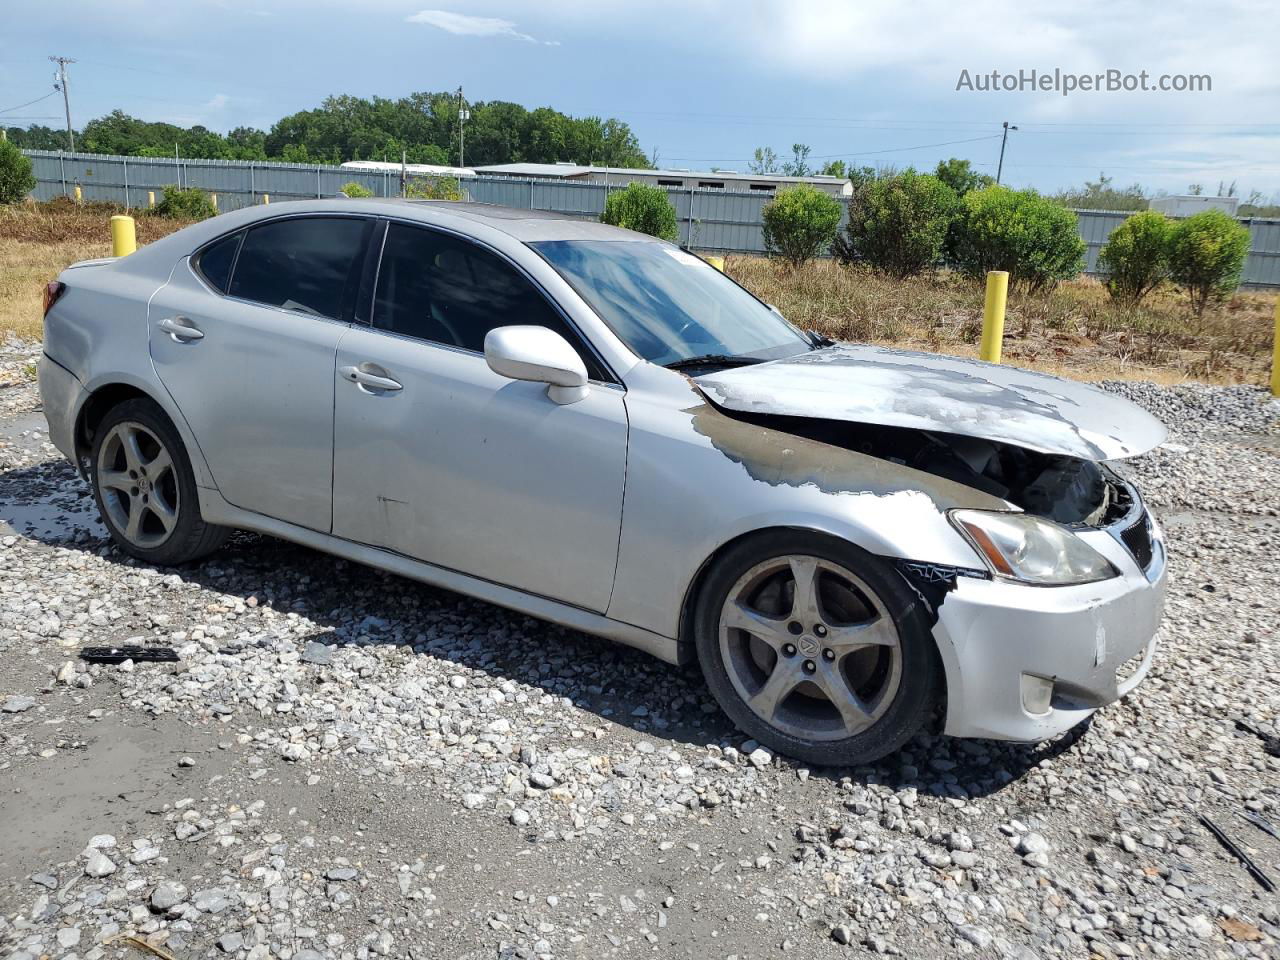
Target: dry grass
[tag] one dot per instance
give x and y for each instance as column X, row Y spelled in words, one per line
column 38, row 240
column 1075, row 330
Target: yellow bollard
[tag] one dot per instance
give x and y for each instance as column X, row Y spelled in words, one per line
column 266, row 198
column 151, row 198
column 124, row 237
column 993, row 315
column 717, row 262
column 1275, row 356
column 79, row 194
column 214, row 197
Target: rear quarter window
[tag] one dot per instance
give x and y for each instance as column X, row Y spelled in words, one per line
column 215, row 261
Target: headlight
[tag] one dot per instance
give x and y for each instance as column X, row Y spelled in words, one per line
column 1021, row 547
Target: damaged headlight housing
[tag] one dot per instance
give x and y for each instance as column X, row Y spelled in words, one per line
column 1018, row 546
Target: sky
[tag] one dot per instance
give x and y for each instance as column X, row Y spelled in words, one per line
column 705, row 82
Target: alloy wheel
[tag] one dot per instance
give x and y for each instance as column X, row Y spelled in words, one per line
column 138, row 485
column 810, row 648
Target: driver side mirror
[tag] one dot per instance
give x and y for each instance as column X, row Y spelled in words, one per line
column 538, row 355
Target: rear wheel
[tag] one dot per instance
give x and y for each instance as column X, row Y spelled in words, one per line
column 145, row 488
column 816, row 648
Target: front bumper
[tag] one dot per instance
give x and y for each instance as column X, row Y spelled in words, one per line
column 1027, row 663
column 61, row 396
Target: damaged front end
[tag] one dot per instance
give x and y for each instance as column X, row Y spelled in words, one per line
column 1064, row 489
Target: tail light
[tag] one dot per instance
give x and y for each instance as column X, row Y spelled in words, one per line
column 52, row 291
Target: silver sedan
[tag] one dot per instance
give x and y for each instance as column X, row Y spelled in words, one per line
column 600, row 429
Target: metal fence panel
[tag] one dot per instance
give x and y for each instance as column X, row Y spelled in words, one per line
column 715, row 220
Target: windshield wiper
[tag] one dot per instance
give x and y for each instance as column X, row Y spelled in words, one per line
column 820, row 340
column 712, row 360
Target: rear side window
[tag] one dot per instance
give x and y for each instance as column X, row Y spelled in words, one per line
column 437, row 287
column 215, row 260
column 309, row 264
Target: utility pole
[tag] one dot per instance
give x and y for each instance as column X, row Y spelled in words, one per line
column 66, row 97
column 1003, row 140
column 463, row 115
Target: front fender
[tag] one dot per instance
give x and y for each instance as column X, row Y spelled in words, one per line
column 698, row 479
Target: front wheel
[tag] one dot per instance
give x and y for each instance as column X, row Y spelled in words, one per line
column 816, row 648
column 145, row 488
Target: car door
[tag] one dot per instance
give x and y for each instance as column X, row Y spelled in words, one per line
column 443, row 460
column 244, row 336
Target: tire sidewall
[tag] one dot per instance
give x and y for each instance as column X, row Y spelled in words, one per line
column 176, row 548
column 917, row 692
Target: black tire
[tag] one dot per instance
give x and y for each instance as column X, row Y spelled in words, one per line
column 919, row 682
column 190, row 537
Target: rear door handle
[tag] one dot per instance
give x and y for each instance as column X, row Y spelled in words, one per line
column 180, row 328
column 365, row 376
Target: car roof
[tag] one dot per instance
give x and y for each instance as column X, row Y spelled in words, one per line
column 485, row 222
column 527, row 226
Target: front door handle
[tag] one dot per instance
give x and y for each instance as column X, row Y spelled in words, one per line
column 180, row 328
column 370, row 376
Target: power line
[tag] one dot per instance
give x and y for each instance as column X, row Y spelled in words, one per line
column 29, row 102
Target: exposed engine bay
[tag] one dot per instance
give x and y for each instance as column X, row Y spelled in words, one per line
column 1064, row 489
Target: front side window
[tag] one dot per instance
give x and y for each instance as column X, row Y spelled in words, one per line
column 308, row 264
column 437, row 287
column 668, row 305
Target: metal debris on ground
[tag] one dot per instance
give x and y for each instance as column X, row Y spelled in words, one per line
column 128, row 652
column 1270, row 744
column 1262, row 823
column 1254, row 870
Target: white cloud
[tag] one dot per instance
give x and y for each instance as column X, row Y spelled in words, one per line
column 464, row 25
column 217, row 101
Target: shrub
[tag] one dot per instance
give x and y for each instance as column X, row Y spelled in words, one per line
column 16, row 178
column 434, row 188
column 1135, row 258
column 355, row 190
column 184, row 203
column 1032, row 237
column 1206, row 255
column 800, row 223
column 644, row 209
column 898, row 224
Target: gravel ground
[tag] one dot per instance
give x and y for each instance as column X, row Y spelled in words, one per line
column 345, row 764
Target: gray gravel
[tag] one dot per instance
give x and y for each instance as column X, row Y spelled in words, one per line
column 346, row 764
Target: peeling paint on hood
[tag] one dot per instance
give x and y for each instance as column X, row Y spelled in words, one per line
column 956, row 395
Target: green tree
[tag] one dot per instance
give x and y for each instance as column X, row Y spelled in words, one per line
column 1206, row 256
column 37, row 137
column 800, row 223
column 960, row 176
column 1035, row 239
column 798, row 165
column 642, row 208
column 834, row 168
column 765, row 161
column 16, row 178
column 356, row 190
column 1135, row 258
column 898, row 224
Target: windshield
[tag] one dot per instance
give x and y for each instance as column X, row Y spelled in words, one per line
column 668, row 305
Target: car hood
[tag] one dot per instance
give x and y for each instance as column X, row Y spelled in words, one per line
column 925, row 391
